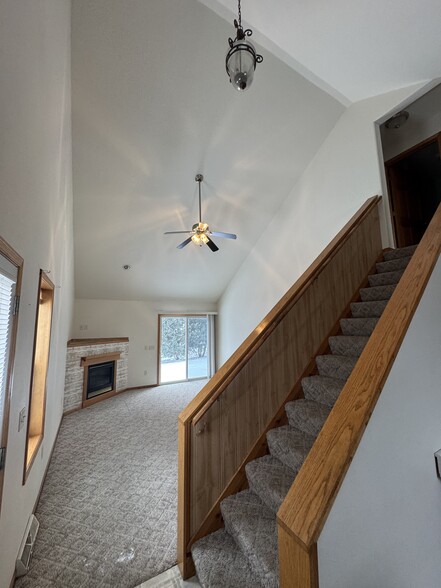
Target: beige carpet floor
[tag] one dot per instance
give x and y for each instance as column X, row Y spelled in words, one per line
column 108, row 507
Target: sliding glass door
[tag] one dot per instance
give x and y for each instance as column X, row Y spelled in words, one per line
column 184, row 348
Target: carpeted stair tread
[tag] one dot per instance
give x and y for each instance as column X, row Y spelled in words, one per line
column 385, row 278
column 335, row 366
column 253, row 527
column 358, row 326
column 307, row 415
column 289, row 445
column 322, row 389
column 351, row 345
column 377, row 292
column 270, row 479
column 392, row 264
column 368, row 309
column 401, row 252
column 221, row 564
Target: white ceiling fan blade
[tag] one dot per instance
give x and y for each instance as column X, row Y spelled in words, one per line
column 223, row 235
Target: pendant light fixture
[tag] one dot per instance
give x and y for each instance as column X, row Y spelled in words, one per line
column 242, row 57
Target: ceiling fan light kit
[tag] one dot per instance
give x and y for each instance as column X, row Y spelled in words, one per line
column 200, row 232
column 241, row 58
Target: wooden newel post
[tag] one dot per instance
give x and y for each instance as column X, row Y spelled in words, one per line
column 298, row 565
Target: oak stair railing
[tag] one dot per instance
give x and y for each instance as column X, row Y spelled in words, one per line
column 308, row 503
column 225, row 425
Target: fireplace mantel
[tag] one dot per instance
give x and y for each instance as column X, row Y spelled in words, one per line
column 93, row 359
column 89, row 342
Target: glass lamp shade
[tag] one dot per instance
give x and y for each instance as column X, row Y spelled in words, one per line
column 241, row 63
column 199, row 238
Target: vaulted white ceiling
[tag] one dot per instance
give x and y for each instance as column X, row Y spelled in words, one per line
column 152, row 106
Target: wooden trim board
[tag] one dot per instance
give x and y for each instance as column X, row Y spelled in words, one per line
column 88, row 342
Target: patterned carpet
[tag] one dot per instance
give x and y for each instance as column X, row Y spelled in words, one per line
column 108, row 508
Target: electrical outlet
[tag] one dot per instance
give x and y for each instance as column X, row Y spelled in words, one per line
column 21, row 418
column 83, row 327
column 151, row 347
column 145, row 347
column 145, row 372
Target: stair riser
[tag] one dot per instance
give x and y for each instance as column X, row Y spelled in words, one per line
column 358, row 326
column 335, row 367
column 307, row 416
column 375, row 293
column 349, row 346
column 392, row 265
column 402, row 252
column 254, row 529
column 368, row 309
column 318, row 389
column 270, row 480
column 385, row 279
column 291, row 460
column 219, row 563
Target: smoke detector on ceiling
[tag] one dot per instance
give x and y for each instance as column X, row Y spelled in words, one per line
column 397, row 120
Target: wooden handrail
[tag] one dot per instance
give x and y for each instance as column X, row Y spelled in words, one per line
column 223, row 377
column 306, row 507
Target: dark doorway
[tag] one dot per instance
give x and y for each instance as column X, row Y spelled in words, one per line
column 414, row 183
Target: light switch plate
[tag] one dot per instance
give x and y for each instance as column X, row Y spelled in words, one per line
column 21, row 418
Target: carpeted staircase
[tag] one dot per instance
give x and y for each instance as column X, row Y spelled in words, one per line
column 245, row 554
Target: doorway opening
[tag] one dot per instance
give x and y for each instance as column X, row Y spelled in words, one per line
column 185, row 347
column 414, row 184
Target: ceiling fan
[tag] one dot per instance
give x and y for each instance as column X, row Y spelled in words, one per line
column 200, row 232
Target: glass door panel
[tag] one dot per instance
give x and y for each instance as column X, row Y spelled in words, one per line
column 173, row 366
column 197, row 360
column 184, row 349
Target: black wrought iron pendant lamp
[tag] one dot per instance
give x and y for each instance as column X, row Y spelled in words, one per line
column 242, row 58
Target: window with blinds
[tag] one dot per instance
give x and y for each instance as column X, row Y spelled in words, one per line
column 8, row 276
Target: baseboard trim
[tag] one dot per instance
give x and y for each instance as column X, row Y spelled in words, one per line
column 72, row 410
column 47, row 466
column 141, row 387
column 11, row 585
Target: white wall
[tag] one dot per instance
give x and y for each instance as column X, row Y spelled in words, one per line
column 384, row 528
column 135, row 319
column 343, row 174
column 36, row 220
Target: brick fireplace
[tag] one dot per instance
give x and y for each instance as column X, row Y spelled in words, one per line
column 83, row 388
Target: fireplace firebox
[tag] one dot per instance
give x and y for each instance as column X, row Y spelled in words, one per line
column 100, row 375
column 100, row 379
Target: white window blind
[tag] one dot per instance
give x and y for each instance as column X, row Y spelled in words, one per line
column 7, row 289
